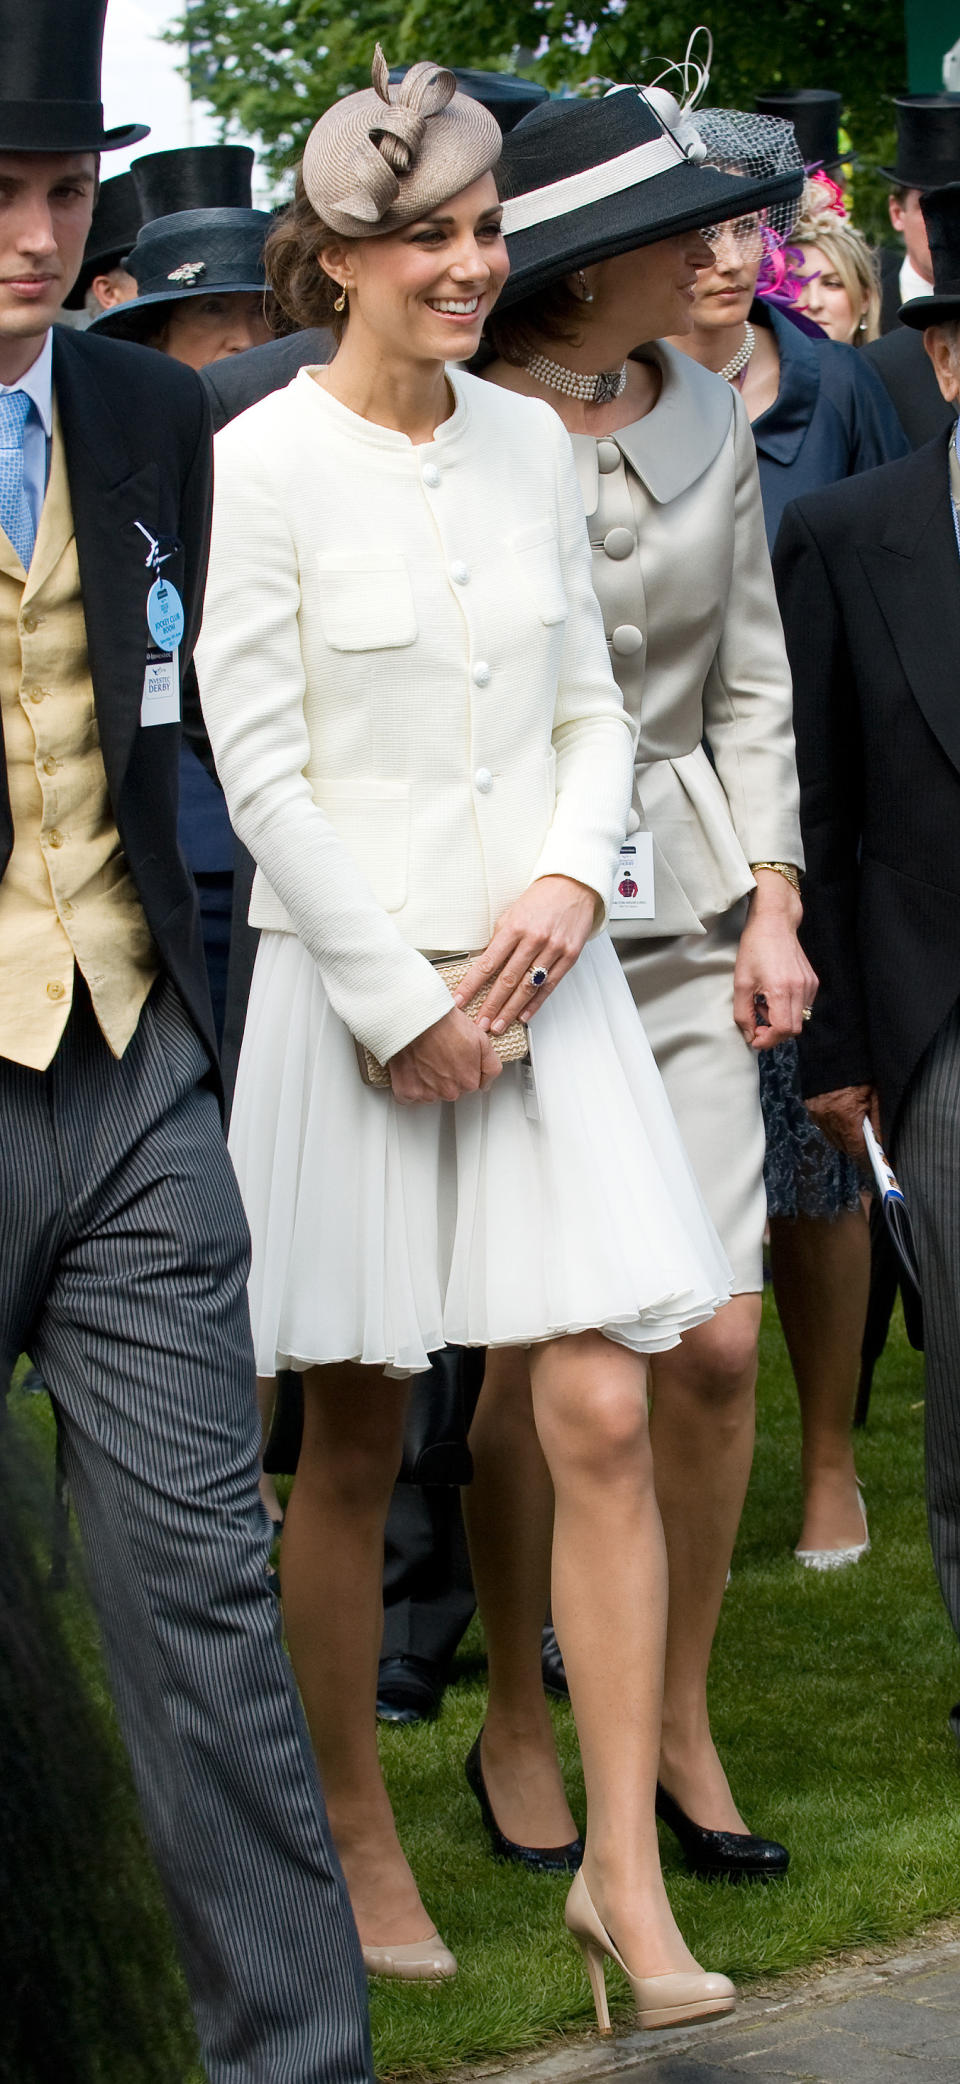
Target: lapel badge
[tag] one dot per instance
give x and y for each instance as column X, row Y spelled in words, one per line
column 189, row 273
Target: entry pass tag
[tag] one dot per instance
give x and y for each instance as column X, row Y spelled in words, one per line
column 528, row 1080
column 161, row 688
column 633, row 891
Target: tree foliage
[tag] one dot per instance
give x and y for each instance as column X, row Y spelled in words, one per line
column 269, row 67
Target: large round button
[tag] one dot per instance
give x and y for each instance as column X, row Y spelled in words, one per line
column 627, row 639
column 483, row 780
column 608, row 456
column 459, row 572
column 619, row 542
column 430, row 475
column 481, row 673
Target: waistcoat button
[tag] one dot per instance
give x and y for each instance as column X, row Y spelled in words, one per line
column 619, row 542
column 55, row 839
column 29, row 623
column 56, row 991
column 627, row 639
column 608, row 456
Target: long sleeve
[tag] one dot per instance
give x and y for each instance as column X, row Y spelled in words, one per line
column 252, row 685
column 835, row 1049
column 748, row 721
column 593, row 737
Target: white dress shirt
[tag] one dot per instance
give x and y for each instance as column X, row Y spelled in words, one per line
column 38, row 426
column 912, row 283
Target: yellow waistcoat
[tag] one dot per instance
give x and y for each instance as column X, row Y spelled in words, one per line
column 67, row 896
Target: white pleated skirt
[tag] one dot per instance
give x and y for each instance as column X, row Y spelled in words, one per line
column 381, row 1233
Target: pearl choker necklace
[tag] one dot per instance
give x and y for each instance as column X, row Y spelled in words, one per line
column 594, row 390
column 731, row 369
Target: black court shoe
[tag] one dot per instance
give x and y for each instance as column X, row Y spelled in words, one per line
column 538, row 1859
column 719, row 1855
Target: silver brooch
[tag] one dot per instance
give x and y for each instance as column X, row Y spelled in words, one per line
column 189, row 273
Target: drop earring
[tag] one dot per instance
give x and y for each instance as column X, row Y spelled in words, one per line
column 340, row 303
column 586, row 295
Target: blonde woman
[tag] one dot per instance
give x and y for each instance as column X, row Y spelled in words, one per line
column 839, row 283
column 407, row 688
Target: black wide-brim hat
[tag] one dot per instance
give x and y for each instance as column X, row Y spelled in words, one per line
column 113, row 230
column 586, row 180
column 50, row 58
column 815, row 115
column 195, row 253
column 507, row 97
column 928, row 141
column 941, row 212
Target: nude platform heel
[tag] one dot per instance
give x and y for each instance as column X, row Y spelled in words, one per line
column 661, row 2000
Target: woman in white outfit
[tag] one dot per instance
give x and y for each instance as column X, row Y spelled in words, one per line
column 603, row 259
column 421, row 742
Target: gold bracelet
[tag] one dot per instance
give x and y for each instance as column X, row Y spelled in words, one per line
column 780, row 868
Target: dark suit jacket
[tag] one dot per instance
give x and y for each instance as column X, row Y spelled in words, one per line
column 868, row 577
column 136, row 431
column 241, row 380
column 901, row 361
column 891, row 262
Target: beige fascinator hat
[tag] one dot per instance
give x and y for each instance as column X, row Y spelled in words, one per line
column 384, row 157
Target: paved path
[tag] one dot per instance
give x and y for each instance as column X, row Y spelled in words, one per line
column 895, row 2022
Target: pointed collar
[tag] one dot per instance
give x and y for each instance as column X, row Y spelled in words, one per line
column 780, row 430
column 38, row 383
column 676, row 442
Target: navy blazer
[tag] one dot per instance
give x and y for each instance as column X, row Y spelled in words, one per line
column 832, row 418
column 136, row 433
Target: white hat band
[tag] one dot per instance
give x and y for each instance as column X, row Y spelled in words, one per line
column 592, row 185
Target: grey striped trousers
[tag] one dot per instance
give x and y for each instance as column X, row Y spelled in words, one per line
column 123, row 1273
column 926, row 1155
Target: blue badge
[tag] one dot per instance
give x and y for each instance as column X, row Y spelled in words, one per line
column 165, row 619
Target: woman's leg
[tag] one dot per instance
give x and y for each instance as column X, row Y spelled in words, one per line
column 266, row 1399
column 609, row 1608
column 702, row 1430
column 508, row 1510
column 821, row 1280
column 331, row 1566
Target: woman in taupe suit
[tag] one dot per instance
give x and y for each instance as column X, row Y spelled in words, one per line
column 669, row 479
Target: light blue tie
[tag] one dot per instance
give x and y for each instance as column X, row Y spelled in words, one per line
column 15, row 515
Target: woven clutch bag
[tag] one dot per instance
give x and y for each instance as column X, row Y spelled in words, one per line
column 512, row 1047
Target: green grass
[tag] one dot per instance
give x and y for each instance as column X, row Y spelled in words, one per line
column 829, row 1701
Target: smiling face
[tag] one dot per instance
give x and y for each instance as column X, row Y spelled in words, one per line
column 206, row 329
column 422, row 293
column 725, row 287
column 46, row 203
column 825, row 297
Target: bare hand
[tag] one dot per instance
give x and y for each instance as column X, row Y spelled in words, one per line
column 771, row 966
column 840, row 1115
column 547, row 927
column 452, row 1057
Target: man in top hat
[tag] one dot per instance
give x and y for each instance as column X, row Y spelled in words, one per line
column 103, row 280
column 124, row 1250
column 815, row 115
column 928, row 155
column 868, row 580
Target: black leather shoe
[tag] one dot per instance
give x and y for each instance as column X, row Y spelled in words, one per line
column 409, row 1689
column 551, row 1665
column 538, row 1859
column 719, row 1855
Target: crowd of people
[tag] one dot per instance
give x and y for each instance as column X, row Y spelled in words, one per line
column 435, row 780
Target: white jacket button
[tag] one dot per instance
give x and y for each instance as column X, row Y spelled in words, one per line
column 483, row 780
column 627, row 639
column 459, row 572
column 608, row 456
column 619, row 542
column 430, row 475
column 481, row 673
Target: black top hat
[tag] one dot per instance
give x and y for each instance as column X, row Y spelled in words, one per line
column 197, row 177
column 815, row 115
column 195, row 253
column 507, row 97
column 928, row 141
column 116, row 222
column 586, row 180
column 50, row 55
column 941, row 210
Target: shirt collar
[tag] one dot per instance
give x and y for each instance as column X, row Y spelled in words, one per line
column 912, row 283
column 38, row 384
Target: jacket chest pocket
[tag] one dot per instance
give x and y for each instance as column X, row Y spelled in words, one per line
column 535, row 555
column 365, row 600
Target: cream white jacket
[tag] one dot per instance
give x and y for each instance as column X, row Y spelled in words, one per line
column 406, row 684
